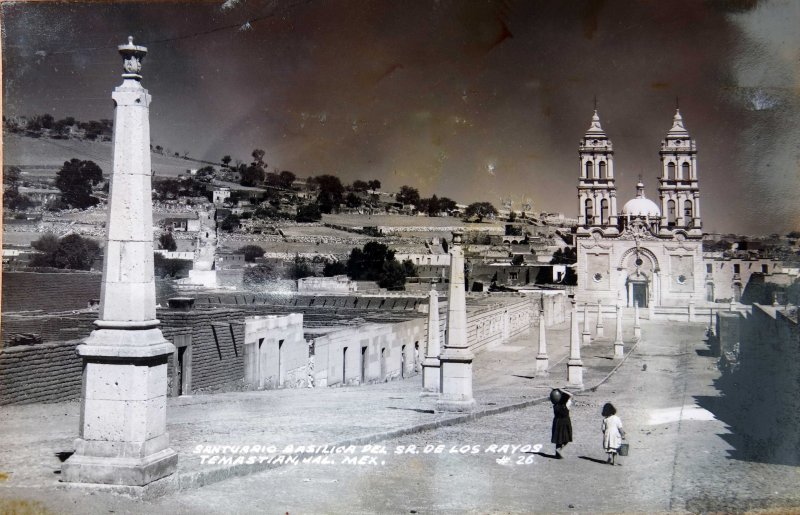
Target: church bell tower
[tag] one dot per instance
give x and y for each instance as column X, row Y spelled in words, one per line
column 597, row 192
column 678, row 187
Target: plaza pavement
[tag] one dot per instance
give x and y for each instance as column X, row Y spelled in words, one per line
column 37, row 437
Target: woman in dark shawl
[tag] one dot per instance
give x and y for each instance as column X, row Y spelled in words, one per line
column 562, row 425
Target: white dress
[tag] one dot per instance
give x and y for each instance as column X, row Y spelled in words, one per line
column 612, row 433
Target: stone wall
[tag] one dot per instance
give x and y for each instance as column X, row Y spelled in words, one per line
column 491, row 326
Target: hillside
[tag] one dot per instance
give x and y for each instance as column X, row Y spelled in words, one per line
column 44, row 156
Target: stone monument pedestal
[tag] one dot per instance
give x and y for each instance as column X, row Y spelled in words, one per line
column 123, row 438
column 431, row 372
column 456, row 370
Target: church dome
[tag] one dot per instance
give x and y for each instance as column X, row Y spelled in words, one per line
column 641, row 206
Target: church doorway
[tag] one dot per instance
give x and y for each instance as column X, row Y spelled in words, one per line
column 637, row 294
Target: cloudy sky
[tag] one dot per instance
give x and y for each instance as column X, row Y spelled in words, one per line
column 475, row 100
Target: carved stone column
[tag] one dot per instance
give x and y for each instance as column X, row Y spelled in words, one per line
column 431, row 365
column 542, row 360
column 574, row 365
column 600, row 329
column 123, row 438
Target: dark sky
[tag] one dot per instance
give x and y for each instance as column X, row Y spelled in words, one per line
column 475, row 100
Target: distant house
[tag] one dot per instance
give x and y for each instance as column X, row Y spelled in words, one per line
column 230, row 261
column 220, row 195
column 183, row 223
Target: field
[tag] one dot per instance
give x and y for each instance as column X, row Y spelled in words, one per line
column 42, row 157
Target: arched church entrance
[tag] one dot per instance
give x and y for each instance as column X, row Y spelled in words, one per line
column 641, row 280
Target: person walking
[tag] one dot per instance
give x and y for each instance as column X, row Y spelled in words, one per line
column 613, row 434
column 562, row 425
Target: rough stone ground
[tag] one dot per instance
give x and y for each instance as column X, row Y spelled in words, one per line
column 678, row 459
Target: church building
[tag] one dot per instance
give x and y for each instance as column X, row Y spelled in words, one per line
column 648, row 253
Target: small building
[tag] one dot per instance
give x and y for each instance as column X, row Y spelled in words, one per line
column 220, row 195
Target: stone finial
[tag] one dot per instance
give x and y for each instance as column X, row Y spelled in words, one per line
column 132, row 57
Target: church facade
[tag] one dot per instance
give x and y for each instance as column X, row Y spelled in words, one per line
column 647, row 254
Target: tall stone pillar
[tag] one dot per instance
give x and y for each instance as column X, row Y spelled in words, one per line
column 456, row 358
column 637, row 328
column 619, row 346
column 574, row 365
column 692, row 311
column 430, row 365
column 587, row 334
column 123, row 438
column 542, row 360
column 600, row 330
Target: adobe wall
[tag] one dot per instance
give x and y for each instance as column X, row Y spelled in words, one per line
column 28, row 291
column 46, row 372
column 275, row 352
column 389, row 351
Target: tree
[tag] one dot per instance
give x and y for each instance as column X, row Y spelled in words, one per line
column 258, row 275
column 333, row 268
column 374, row 185
column 230, row 223
column 300, row 268
column 447, row 205
column 167, row 242
column 251, row 252
column 226, row 160
column 331, row 193
column 286, row 179
column 308, row 213
column 75, row 180
column 375, row 262
column 258, row 156
column 72, row 251
column 480, row 210
column 517, row 260
column 408, row 195
column 360, row 186
column 167, row 267
column 352, row 200
column 12, row 198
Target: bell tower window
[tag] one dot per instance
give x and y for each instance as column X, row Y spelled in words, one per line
column 671, row 171
column 670, row 213
column 601, row 167
column 685, row 172
column 604, row 212
column 588, row 209
column 687, row 211
column 589, row 169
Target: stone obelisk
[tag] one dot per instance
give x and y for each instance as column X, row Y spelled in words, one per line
column 123, row 438
column 587, row 333
column 430, row 365
column 637, row 327
column 600, row 330
column 619, row 346
column 574, row 365
column 456, row 358
column 542, row 360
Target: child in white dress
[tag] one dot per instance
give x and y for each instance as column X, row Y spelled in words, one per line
column 613, row 434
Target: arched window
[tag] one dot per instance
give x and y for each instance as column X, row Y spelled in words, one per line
column 685, row 172
column 670, row 213
column 588, row 210
column 601, row 169
column 589, row 169
column 604, row 211
column 670, row 171
column 687, row 212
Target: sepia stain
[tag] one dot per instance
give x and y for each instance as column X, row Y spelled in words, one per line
column 591, row 17
column 660, row 85
column 22, row 507
column 4, row 476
